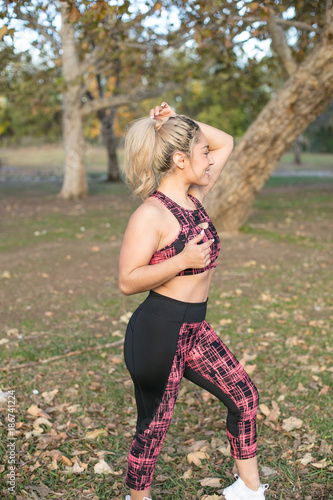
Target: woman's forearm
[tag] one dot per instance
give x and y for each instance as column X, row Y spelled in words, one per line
column 217, row 139
column 148, row 277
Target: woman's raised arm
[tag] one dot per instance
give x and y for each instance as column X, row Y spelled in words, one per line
column 220, row 147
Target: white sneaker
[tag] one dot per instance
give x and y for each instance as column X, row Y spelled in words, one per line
column 239, row 491
column 129, row 498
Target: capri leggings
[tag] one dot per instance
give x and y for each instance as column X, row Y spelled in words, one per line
column 167, row 340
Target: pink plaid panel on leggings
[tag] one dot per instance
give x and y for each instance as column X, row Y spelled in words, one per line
column 211, row 359
column 209, row 363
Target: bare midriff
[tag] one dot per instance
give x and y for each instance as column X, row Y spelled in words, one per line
column 193, row 288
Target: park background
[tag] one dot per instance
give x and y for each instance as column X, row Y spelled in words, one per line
column 72, row 76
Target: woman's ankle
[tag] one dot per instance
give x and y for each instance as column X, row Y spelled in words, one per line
column 253, row 483
column 140, row 495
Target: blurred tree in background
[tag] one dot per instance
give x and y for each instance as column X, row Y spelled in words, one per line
column 32, row 103
column 195, row 53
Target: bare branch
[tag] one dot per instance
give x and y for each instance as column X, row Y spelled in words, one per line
column 115, row 101
column 140, row 17
column 90, row 59
column 280, row 45
column 42, row 30
column 284, row 22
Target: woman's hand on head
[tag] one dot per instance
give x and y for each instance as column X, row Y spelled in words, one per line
column 162, row 111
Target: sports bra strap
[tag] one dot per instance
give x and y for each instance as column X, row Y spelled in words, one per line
column 178, row 211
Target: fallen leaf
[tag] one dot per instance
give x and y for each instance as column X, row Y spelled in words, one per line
column 95, row 249
column 76, row 469
column 267, row 471
column 325, row 448
column 250, row 369
column 126, row 317
column 292, row 423
column 161, row 479
column 250, row 263
column 38, row 422
column 323, row 391
column 199, row 446
column 49, row 395
column 196, row 457
column 274, row 413
column 213, row 482
column 225, row 321
column 321, row 464
column 35, row 466
column 66, row 460
column 266, row 297
column 96, row 433
column 42, row 490
column 13, row 331
column 306, row 459
column 264, row 409
column 188, row 474
column 225, row 450
column 3, row 397
column 116, row 360
column 102, row 468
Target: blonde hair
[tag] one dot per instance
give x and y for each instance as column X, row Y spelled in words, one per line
column 150, row 146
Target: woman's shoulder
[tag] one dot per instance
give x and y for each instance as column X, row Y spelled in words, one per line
column 149, row 212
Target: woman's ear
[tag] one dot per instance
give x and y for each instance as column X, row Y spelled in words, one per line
column 179, row 159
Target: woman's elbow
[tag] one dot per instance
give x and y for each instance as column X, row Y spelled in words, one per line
column 124, row 286
column 230, row 142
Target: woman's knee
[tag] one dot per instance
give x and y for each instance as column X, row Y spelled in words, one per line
column 248, row 399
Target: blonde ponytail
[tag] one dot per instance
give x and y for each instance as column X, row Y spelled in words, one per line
column 149, row 148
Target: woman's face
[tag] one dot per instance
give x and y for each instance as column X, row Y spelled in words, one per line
column 200, row 163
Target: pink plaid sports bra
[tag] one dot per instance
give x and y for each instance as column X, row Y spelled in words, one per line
column 189, row 221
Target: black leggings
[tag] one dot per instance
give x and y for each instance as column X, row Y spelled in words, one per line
column 167, row 340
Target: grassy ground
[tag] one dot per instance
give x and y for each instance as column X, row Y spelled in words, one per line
column 63, row 321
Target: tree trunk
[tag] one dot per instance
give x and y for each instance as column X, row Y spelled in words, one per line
column 110, row 143
column 306, row 93
column 75, row 181
column 298, row 150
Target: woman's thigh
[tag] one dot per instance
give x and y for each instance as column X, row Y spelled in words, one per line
column 211, row 365
column 149, row 349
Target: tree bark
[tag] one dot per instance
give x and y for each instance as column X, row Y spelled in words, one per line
column 298, row 150
column 107, row 118
column 306, row 93
column 75, row 181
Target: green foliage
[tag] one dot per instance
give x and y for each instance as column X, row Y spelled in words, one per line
column 229, row 97
column 30, row 101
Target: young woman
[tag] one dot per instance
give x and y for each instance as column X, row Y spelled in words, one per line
column 170, row 248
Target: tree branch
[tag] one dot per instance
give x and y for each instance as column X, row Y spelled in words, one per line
column 43, row 30
column 285, row 22
column 90, row 59
column 280, row 45
column 115, row 101
column 7, row 368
